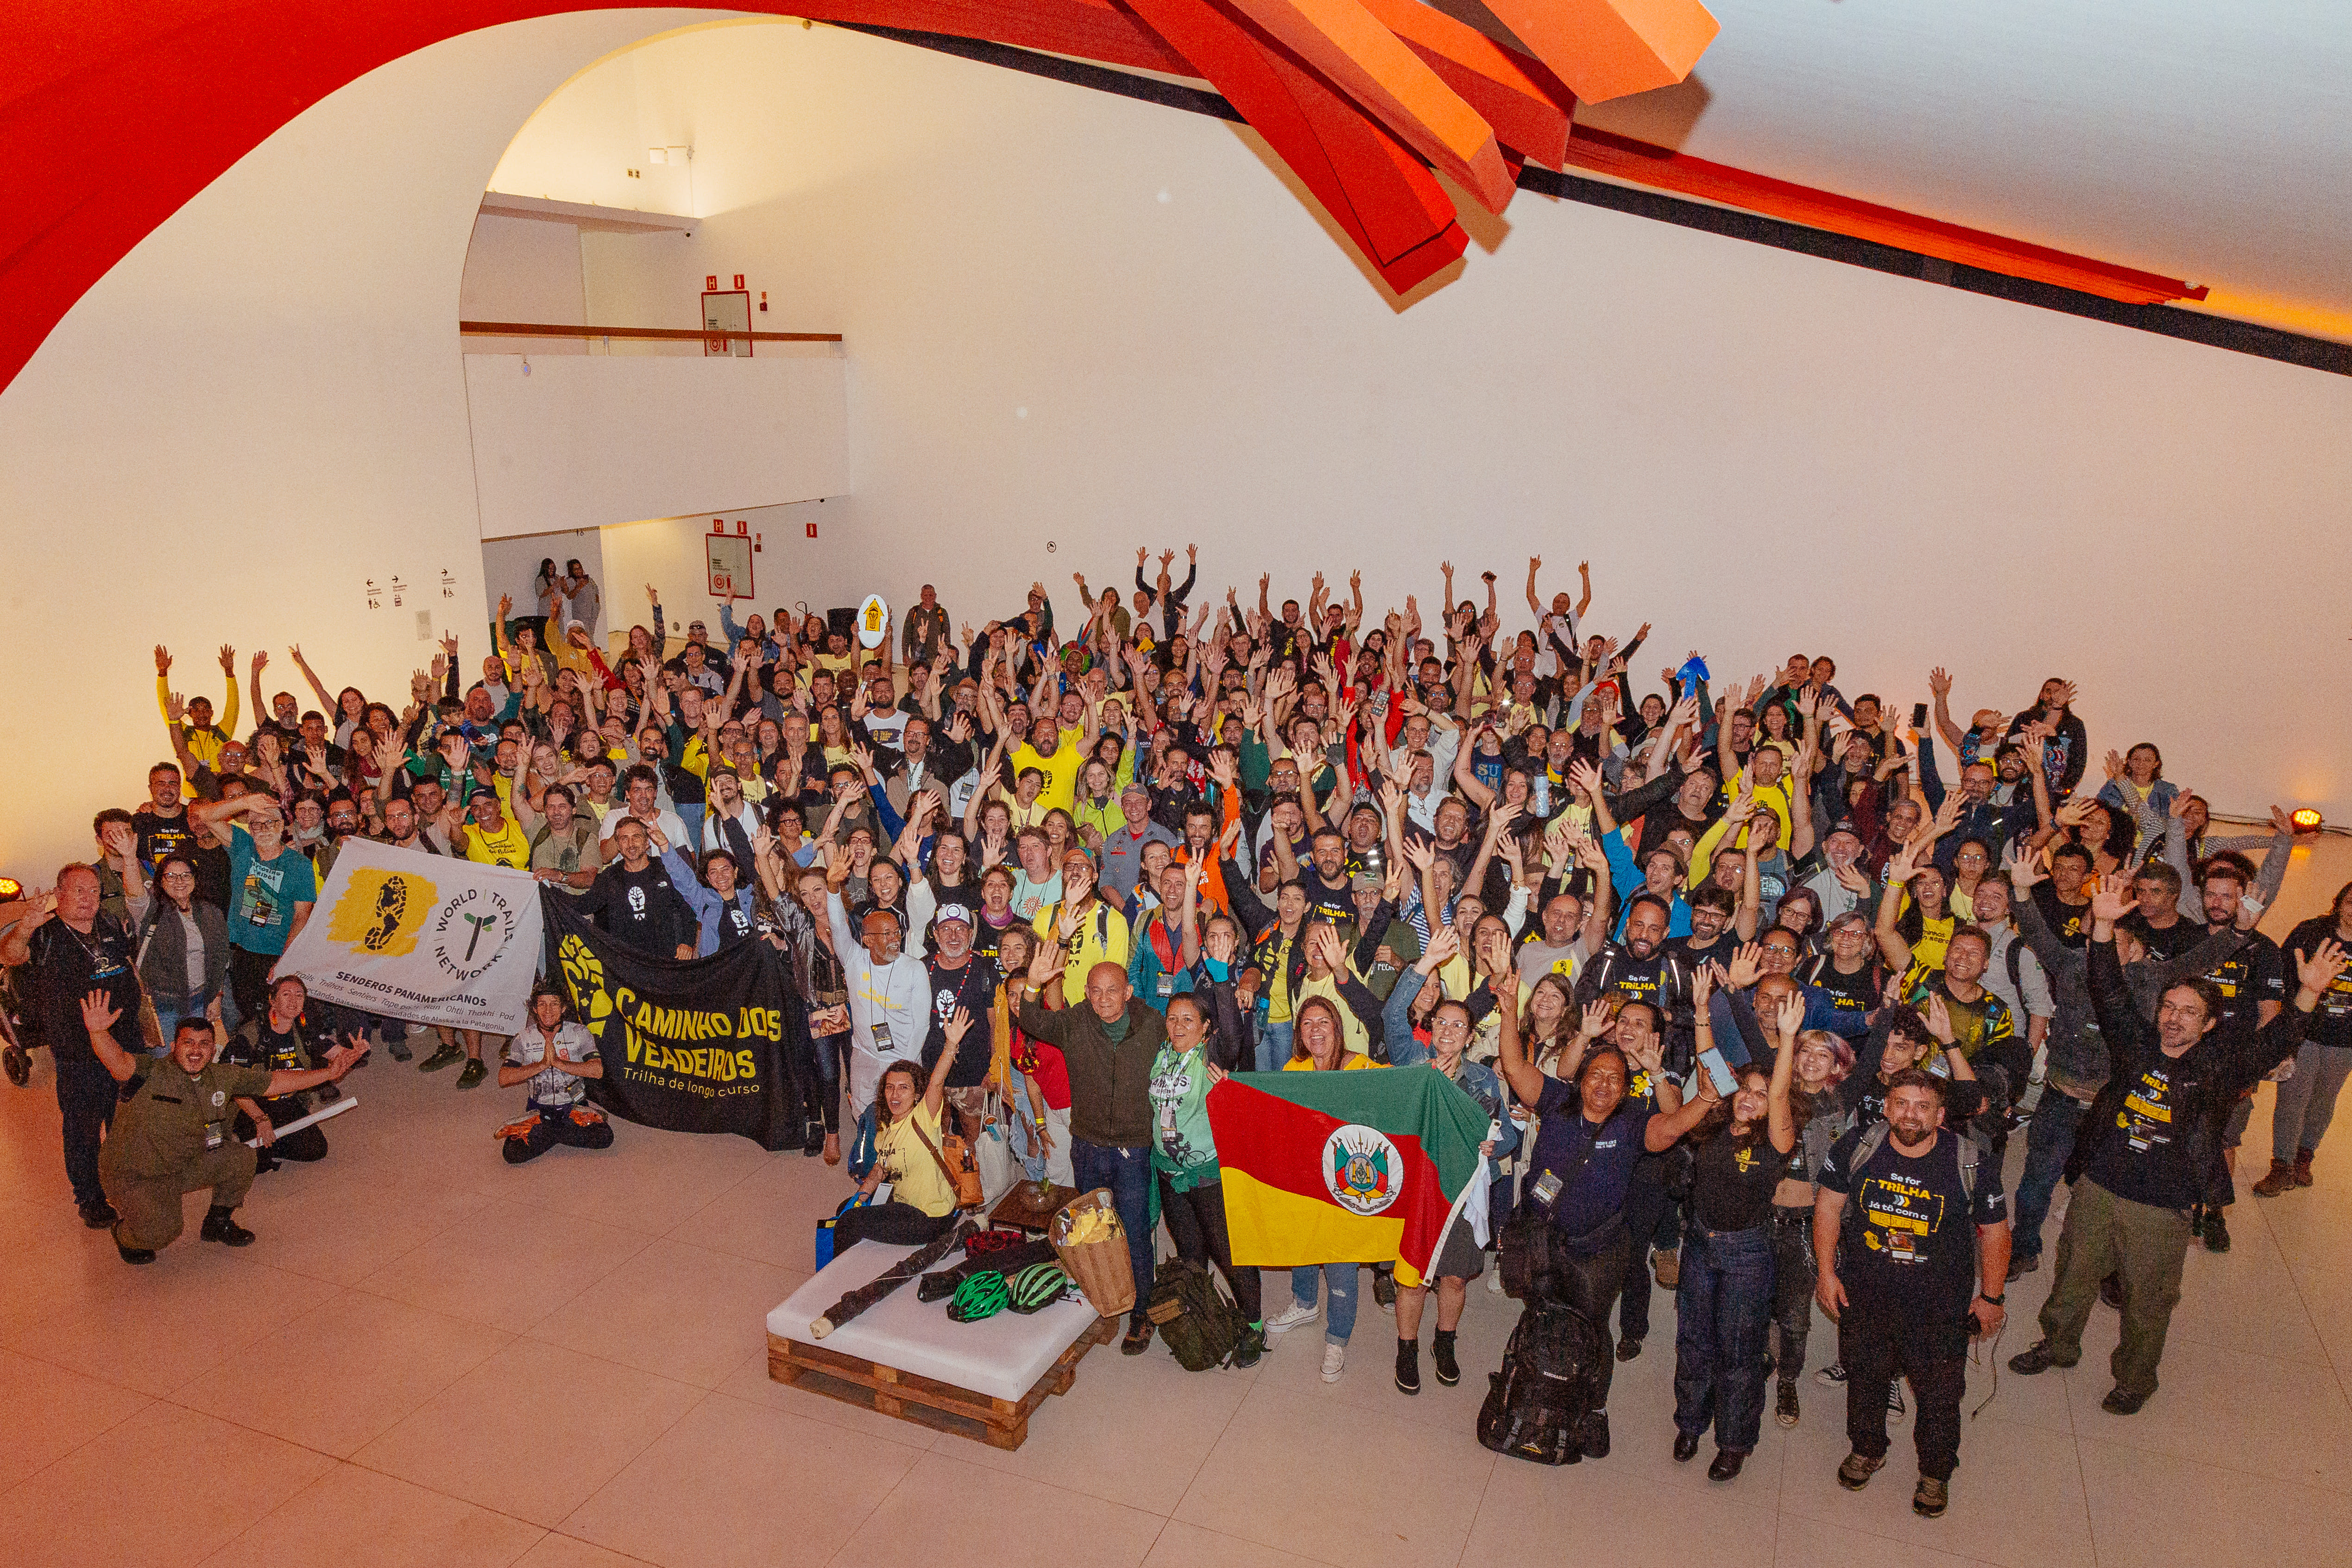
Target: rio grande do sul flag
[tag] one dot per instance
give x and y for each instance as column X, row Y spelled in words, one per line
column 1347, row 1167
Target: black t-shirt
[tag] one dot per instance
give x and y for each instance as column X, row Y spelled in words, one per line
column 642, row 909
column 299, row 1049
column 67, row 965
column 1589, row 1198
column 735, row 923
column 212, row 873
column 2254, row 973
column 974, row 989
column 160, row 835
column 2171, row 942
column 1854, row 993
column 2148, row 1159
column 1691, row 952
column 2331, row 1021
column 1732, row 1180
column 1909, row 1234
column 2070, row 923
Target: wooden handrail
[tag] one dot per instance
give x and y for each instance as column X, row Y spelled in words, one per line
column 672, row 334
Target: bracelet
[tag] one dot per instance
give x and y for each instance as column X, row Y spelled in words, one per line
column 1992, row 1301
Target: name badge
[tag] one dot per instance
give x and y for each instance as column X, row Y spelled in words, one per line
column 881, row 1034
column 212, row 1139
column 1167, row 984
column 1547, row 1187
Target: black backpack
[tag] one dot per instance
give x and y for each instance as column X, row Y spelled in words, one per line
column 1536, row 1405
column 1197, row 1323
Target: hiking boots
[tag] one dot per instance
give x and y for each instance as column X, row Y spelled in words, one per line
column 1855, row 1473
column 2035, row 1361
column 220, row 1225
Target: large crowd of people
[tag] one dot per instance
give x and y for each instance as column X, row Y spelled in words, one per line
column 1755, row 980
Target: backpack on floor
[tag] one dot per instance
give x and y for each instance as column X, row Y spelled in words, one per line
column 1536, row 1406
column 1197, row 1323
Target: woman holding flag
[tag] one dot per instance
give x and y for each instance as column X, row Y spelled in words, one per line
column 1459, row 1260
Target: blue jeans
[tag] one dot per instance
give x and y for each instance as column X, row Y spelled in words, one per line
column 170, row 1011
column 2049, row 1139
column 1272, row 1046
column 1339, row 1284
column 692, row 817
column 1128, row 1174
column 1723, row 1305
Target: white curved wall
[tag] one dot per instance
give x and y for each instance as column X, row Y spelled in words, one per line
column 263, row 404
column 256, row 410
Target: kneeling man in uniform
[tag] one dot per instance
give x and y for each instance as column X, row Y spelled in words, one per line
column 174, row 1132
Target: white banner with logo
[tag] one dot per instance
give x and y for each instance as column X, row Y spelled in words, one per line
column 411, row 936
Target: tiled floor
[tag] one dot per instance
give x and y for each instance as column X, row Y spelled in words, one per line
column 430, row 1358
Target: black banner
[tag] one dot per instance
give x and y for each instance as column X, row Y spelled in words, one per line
column 699, row 1045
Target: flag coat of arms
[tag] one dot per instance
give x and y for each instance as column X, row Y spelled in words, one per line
column 1349, row 1168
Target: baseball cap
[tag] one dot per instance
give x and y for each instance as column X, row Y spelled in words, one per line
column 1365, row 882
column 695, row 626
column 948, row 912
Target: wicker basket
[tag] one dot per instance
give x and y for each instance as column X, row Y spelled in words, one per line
column 1102, row 1269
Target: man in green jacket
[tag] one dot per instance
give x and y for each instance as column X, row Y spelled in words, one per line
column 1109, row 1044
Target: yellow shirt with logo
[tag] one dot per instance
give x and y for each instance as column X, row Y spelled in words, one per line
column 914, row 1175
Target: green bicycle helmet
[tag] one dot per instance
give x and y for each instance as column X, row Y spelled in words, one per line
column 1037, row 1287
column 982, row 1294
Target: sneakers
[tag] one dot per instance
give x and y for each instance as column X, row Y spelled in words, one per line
column 1894, row 1410
column 134, row 1255
column 473, row 1075
column 1408, row 1367
column 1441, row 1357
column 2118, row 1403
column 2217, row 1230
column 1787, row 1412
column 1930, row 1497
column 1335, row 1361
column 1627, row 1349
column 1384, row 1291
column 442, row 1058
column 1138, row 1335
column 220, row 1225
column 396, row 1044
column 1494, row 1281
column 1855, row 1473
column 1831, row 1377
column 2036, row 1360
column 2020, row 1265
column 1253, row 1345
column 1667, row 1263
column 98, row 1214
column 1289, row 1318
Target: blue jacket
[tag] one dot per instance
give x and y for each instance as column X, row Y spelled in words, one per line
column 708, row 908
column 1475, row 1078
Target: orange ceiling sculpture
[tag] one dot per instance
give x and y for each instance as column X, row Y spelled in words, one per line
column 139, row 105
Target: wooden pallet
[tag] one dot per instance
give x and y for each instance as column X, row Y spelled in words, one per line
column 909, row 1396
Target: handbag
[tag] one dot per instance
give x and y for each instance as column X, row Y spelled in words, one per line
column 993, row 1154
column 959, row 1171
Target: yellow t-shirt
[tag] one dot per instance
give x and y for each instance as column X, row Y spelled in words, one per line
column 916, row 1177
column 1061, row 771
column 507, row 846
column 1101, row 937
column 1350, row 1065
